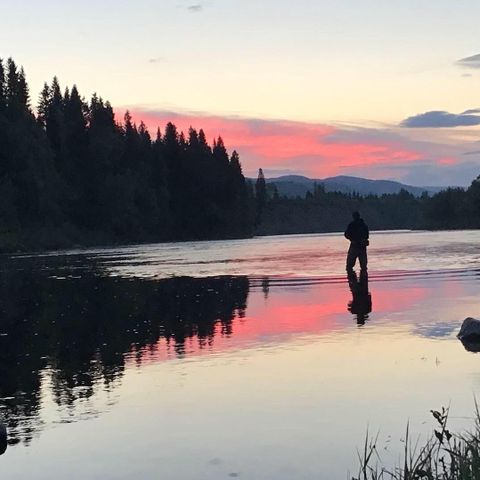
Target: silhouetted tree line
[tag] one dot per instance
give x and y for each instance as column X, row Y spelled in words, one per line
column 321, row 211
column 78, row 330
column 71, row 174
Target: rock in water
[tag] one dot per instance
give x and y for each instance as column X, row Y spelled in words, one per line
column 3, row 438
column 469, row 334
column 470, row 329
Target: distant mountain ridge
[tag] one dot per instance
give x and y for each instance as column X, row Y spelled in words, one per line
column 297, row 185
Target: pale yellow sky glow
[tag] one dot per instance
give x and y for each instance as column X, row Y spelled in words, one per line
column 299, row 90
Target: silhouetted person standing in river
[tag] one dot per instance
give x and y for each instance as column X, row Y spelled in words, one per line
column 357, row 233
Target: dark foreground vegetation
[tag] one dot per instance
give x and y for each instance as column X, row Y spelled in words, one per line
column 445, row 456
column 70, row 174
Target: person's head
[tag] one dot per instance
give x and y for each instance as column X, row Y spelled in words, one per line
column 356, row 215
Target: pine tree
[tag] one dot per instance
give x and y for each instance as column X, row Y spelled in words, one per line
column 182, row 141
column 23, row 94
column 193, row 141
column 241, row 213
column 28, row 180
column 55, row 125
column 3, row 99
column 160, row 184
column 158, row 137
column 11, row 91
column 220, row 154
column 260, row 196
column 170, row 138
column 222, row 195
column 43, row 106
column 144, row 135
column 66, row 96
column 202, row 140
column 74, row 113
column 131, row 149
column 16, row 89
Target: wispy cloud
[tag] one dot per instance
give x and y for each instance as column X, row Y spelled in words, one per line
column 471, row 111
column 442, row 119
column 157, row 60
column 196, row 8
column 469, row 62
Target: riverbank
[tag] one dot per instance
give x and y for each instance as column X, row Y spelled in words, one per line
column 52, row 239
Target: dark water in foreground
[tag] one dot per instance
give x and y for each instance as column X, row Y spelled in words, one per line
column 216, row 360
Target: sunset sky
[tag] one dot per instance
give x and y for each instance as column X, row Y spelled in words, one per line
column 319, row 88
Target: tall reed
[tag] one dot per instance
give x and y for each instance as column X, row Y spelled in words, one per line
column 444, row 456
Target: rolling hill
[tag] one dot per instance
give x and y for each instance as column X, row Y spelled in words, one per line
column 297, row 185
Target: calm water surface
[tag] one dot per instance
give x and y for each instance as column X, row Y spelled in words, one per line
column 254, row 359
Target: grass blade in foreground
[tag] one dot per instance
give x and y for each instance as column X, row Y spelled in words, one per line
column 444, row 456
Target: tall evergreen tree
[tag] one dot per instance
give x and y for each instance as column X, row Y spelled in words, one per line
column 241, row 214
column 75, row 116
column 260, row 196
column 12, row 88
column 43, row 106
column 23, row 94
column 202, row 140
column 55, row 124
column 3, row 99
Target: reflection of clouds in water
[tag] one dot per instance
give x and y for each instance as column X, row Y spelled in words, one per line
column 437, row 330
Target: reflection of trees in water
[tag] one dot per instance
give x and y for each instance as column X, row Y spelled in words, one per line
column 77, row 330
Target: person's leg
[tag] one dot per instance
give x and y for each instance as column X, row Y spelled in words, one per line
column 362, row 258
column 364, row 280
column 351, row 258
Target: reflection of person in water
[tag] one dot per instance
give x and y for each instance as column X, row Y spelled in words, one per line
column 361, row 303
column 357, row 233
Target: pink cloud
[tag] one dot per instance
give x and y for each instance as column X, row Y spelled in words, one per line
column 312, row 149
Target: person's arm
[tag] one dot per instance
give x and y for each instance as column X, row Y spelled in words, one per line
column 348, row 232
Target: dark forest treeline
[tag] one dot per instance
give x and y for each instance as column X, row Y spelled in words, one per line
column 70, row 174
column 321, row 211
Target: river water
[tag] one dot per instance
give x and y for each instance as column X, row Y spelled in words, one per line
column 254, row 359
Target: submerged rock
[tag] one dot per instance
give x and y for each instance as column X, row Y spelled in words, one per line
column 469, row 334
column 3, row 438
